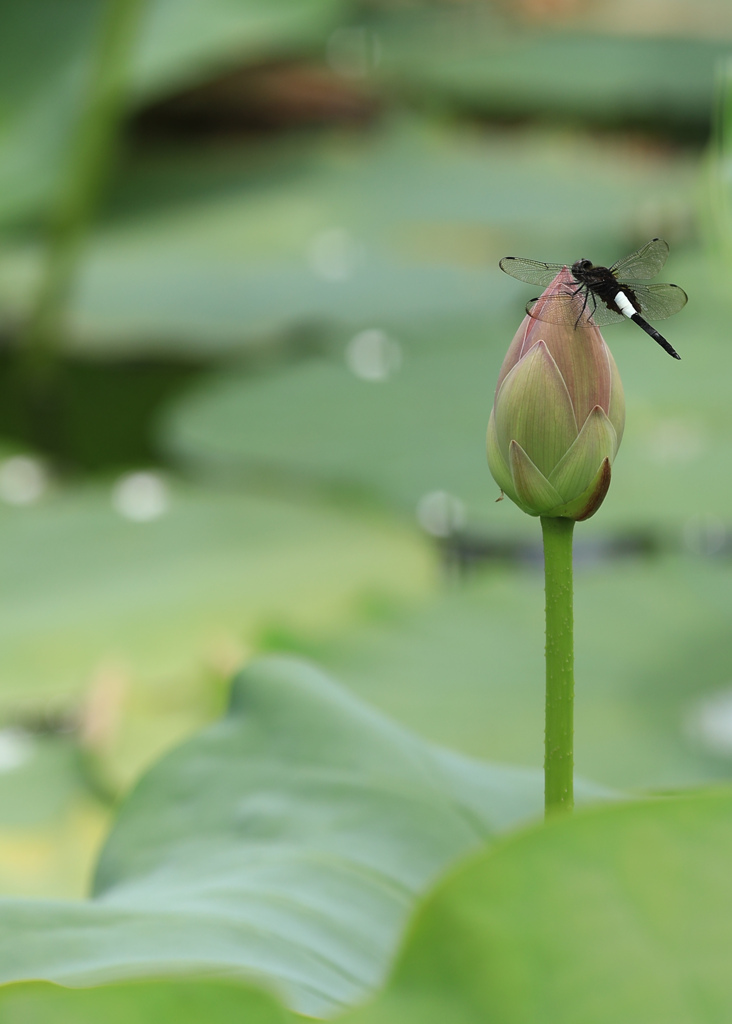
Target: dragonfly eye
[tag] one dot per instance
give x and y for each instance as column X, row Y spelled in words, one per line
column 585, row 264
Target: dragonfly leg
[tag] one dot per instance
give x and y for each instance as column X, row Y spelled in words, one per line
column 584, row 306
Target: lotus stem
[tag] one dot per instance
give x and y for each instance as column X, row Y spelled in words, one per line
column 80, row 183
column 559, row 730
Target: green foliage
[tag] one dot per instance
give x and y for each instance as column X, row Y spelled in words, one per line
column 290, row 841
column 149, row 1002
column 620, row 914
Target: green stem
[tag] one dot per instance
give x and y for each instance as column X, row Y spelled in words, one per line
column 559, row 734
column 80, row 184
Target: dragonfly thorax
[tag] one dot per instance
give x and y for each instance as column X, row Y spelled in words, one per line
column 600, row 280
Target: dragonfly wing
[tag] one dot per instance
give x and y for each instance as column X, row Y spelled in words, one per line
column 530, row 271
column 602, row 315
column 580, row 310
column 643, row 264
column 659, row 301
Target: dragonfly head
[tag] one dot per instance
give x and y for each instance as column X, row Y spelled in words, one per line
column 582, row 265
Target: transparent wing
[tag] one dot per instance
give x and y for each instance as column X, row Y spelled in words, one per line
column 645, row 263
column 583, row 309
column 580, row 310
column 530, row 271
column 658, row 301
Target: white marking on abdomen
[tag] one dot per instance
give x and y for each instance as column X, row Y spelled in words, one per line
column 625, row 305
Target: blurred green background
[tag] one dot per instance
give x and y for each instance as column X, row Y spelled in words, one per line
column 251, row 322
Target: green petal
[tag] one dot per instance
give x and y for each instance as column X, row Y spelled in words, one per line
column 532, row 487
column 533, row 407
column 590, row 500
column 596, row 441
column 496, row 462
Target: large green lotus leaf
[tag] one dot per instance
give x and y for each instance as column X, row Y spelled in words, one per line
column 147, row 1002
column 290, row 842
column 215, row 250
column 653, row 668
column 45, row 51
column 618, row 914
column 468, row 56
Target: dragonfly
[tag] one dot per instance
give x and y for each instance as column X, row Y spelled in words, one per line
column 598, row 296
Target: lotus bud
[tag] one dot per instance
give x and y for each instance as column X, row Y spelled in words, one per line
column 557, row 418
